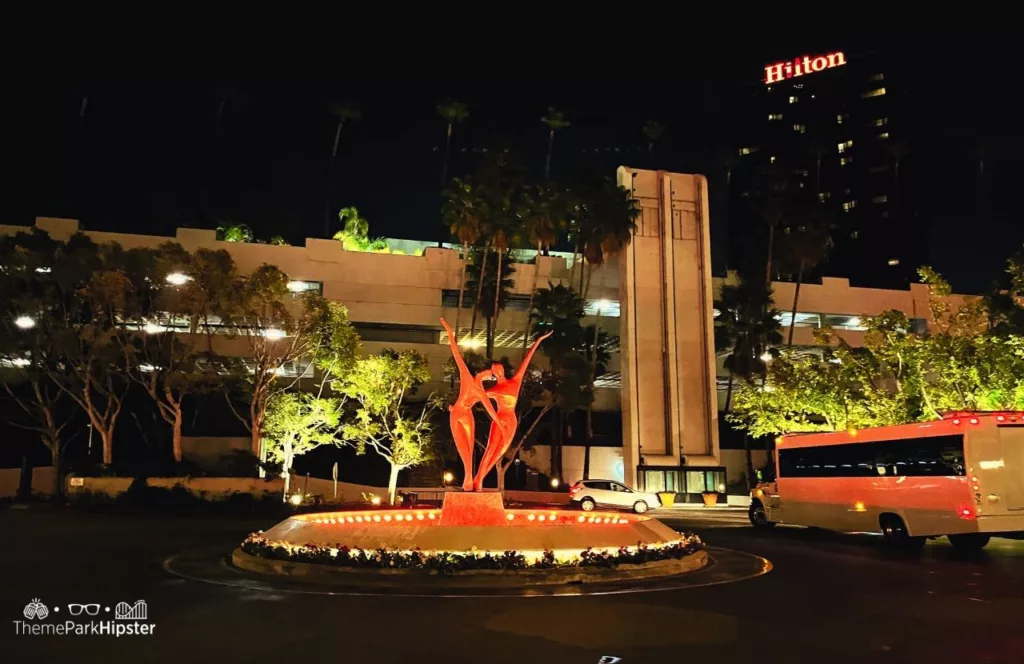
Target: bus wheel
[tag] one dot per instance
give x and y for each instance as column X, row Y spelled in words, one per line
column 895, row 533
column 758, row 517
column 969, row 542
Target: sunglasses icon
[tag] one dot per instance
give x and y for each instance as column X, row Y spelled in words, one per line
column 89, row 609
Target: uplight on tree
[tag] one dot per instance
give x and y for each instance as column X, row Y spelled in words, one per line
column 766, row 357
column 25, row 322
column 177, row 279
column 274, row 334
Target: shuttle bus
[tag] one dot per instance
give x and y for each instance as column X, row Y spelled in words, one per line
column 961, row 477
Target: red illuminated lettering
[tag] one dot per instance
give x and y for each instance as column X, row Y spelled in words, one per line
column 778, row 71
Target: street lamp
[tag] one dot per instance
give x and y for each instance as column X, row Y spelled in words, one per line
column 554, row 482
column 25, row 322
column 448, row 477
column 766, row 357
column 177, row 279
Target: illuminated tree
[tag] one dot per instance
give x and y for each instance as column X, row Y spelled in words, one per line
column 295, row 424
column 402, row 434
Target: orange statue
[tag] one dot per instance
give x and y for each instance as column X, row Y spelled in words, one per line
column 471, row 390
column 503, row 429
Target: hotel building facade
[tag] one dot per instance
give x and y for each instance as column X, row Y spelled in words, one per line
column 665, row 385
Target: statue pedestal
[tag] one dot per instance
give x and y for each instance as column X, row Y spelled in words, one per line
column 473, row 508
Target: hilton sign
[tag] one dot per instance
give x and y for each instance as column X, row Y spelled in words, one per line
column 805, row 65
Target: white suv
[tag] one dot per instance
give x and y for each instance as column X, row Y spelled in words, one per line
column 591, row 493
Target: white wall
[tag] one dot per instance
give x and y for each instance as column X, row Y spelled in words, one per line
column 605, row 462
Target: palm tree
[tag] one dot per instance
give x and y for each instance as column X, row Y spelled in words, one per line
column 804, row 248
column 606, row 224
column 452, row 112
column 342, row 112
column 747, row 324
column 542, row 213
column 554, row 120
column 653, row 132
column 460, row 213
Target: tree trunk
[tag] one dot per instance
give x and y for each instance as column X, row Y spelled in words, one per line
column 489, row 338
column 447, row 153
column 58, row 485
column 547, row 162
column 176, row 436
column 768, row 264
column 479, row 291
column 796, row 298
column 330, row 180
column 529, row 308
column 25, row 478
column 751, row 476
column 393, row 483
column 286, row 470
column 107, row 436
column 498, row 294
column 590, row 406
column 501, row 467
column 728, row 394
column 462, row 287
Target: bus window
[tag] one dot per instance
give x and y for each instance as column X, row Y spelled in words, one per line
column 936, row 455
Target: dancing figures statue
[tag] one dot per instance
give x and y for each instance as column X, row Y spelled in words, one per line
column 505, row 393
column 471, row 391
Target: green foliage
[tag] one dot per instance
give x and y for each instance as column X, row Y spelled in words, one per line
column 235, row 233
column 297, row 423
column 899, row 375
column 354, row 235
column 382, row 421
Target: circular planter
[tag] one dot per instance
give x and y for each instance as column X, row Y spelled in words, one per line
column 353, row 576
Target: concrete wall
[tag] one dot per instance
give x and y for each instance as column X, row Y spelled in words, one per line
column 668, row 389
column 735, row 462
column 379, row 288
column 605, row 462
column 10, row 478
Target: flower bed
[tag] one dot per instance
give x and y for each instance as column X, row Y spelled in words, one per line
column 449, row 562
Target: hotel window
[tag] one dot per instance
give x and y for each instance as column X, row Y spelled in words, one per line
column 774, row 116
column 842, row 147
column 894, row 262
column 883, row 136
column 840, row 118
column 799, row 128
column 844, row 161
column 877, row 92
column 793, row 100
column 880, row 199
column 877, row 77
column 854, row 235
column 745, row 151
column 824, row 196
column 881, row 122
column 849, row 205
column 772, row 159
column 802, row 172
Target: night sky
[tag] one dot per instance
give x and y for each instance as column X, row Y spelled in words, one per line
column 146, row 156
